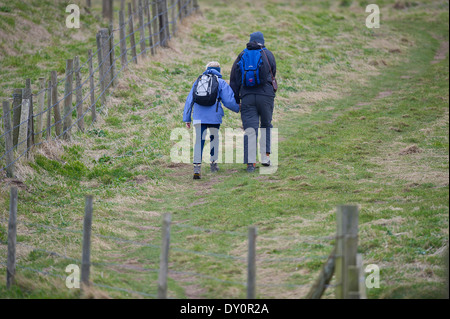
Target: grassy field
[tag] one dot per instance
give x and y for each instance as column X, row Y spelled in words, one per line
column 362, row 116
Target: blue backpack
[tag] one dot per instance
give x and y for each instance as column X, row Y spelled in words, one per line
column 250, row 65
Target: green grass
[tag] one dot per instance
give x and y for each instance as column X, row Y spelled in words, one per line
column 340, row 143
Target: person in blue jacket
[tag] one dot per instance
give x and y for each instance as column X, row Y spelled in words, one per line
column 208, row 117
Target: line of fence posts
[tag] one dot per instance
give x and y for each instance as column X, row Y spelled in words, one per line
column 343, row 261
column 26, row 129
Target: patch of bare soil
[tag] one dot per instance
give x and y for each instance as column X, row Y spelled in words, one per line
column 31, row 34
column 384, row 94
column 442, row 52
column 192, row 291
column 408, row 163
column 413, row 149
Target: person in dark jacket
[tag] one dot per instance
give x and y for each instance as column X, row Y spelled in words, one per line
column 256, row 102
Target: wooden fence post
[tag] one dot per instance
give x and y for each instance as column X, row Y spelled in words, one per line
column 141, row 28
column 155, row 20
column 17, row 111
column 196, row 6
column 251, row 271
column 164, row 257
column 79, row 94
column 55, row 103
column 324, row 278
column 149, row 24
column 12, row 237
column 30, row 132
column 23, row 128
column 163, row 23
column 48, row 132
column 131, row 30
column 346, row 251
column 174, row 20
column 112, row 56
column 180, row 9
column 100, row 71
column 167, row 22
column 68, row 100
column 107, row 9
column 40, row 115
column 106, row 57
column 122, row 5
column 185, row 8
column 91, row 86
column 134, row 3
column 123, row 40
column 8, row 140
column 87, row 229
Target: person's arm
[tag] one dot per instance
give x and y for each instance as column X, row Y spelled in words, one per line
column 235, row 79
column 273, row 62
column 187, row 114
column 227, row 96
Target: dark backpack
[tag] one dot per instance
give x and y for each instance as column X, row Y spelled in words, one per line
column 251, row 67
column 206, row 90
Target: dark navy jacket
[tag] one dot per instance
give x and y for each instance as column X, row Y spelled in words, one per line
column 265, row 88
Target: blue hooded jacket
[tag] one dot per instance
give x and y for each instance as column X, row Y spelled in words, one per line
column 208, row 114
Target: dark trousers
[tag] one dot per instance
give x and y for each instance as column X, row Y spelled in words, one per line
column 200, row 132
column 255, row 109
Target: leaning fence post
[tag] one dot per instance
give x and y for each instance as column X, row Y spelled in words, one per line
column 131, row 30
column 123, row 40
column 39, row 118
column 79, row 94
column 68, row 100
column 87, row 229
column 164, row 257
column 17, row 107
column 141, row 28
column 55, row 103
column 346, row 250
column 101, row 76
column 91, row 86
column 9, row 151
column 251, row 260
column 12, row 237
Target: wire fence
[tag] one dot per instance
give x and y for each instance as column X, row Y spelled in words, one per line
column 180, row 251
column 37, row 118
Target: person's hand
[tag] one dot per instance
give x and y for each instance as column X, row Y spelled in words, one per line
column 240, row 107
column 188, row 125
